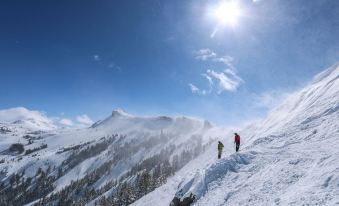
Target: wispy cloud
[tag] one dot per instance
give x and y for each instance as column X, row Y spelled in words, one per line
column 194, row 89
column 107, row 62
column 209, row 55
column 84, row 119
column 227, row 60
column 209, row 79
column 227, row 79
column 19, row 113
column 205, row 54
column 66, row 122
column 96, row 57
column 44, row 122
column 113, row 66
column 79, row 121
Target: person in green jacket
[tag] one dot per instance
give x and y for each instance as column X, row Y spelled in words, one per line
column 220, row 148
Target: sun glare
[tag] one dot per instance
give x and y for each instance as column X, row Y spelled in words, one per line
column 227, row 13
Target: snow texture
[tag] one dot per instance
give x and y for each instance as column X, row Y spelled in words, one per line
column 60, row 144
column 289, row 158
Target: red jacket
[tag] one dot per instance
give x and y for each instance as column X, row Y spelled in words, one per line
column 237, row 139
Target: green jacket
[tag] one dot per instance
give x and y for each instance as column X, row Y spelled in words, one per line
column 220, row 146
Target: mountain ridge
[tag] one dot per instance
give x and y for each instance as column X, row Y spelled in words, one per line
column 113, row 153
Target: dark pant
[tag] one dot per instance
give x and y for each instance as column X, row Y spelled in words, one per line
column 219, row 154
column 237, row 145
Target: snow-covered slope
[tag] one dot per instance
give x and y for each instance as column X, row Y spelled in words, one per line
column 23, row 120
column 316, row 101
column 94, row 164
column 289, row 158
column 15, row 123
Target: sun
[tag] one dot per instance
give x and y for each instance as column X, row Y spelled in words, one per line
column 227, row 13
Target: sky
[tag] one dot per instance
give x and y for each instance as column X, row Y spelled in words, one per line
column 229, row 65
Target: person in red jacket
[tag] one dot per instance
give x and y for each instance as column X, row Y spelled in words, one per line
column 236, row 141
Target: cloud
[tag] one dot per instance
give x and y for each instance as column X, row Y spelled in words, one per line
column 227, row 79
column 96, row 57
column 66, row 122
column 227, row 60
column 205, row 54
column 84, row 119
column 107, row 62
column 208, row 54
column 38, row 120
column 194, row 89
column 21, row 113
column 80, row 121
column 209, row 79
column 28, row 119
column 113, row 66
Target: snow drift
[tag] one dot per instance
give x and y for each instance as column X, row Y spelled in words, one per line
column 289, row 158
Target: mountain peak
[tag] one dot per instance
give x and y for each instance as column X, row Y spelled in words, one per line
column 120, row 113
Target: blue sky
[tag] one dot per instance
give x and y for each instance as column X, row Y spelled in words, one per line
column 150, row 57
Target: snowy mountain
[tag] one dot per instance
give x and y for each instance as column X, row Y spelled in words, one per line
column 289, row 158
column 115, row 161
column 16, row 123
column 23, row 120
